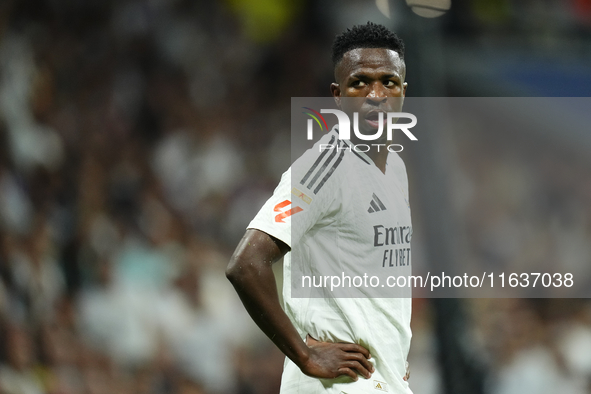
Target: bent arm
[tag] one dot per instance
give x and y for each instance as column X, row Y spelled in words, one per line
column 251, row 274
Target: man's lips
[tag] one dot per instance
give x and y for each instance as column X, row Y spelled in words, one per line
column 373, row 119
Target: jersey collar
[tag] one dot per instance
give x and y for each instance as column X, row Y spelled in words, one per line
column 362, row 155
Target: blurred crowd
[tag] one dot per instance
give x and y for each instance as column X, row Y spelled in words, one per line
column 526, row 207
column 130, row 164
column 137, row 140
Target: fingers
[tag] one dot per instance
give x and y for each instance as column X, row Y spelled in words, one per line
column 349, row 372
column 367, row 366
column 407, row 376
column 352, row 347
column 356, row 365
column 347, row 358
column 347, row 347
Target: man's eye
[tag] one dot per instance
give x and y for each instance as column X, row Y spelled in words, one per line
column 358, row 83
column 389, row 83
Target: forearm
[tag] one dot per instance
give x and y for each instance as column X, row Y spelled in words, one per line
column 251, row 274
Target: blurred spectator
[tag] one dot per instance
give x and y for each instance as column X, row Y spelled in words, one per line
column 17, row 374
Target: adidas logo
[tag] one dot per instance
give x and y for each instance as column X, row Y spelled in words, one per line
column 376, row 205
column 382, row 386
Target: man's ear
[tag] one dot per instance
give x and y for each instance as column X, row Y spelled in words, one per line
column 404, row 86
column 335, row 89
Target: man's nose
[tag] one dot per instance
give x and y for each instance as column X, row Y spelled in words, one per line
column 377, row 93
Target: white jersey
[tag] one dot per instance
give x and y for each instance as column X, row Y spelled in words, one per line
column 343, row 217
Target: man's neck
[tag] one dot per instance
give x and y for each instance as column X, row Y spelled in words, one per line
column 378, row 154
column 379, row 158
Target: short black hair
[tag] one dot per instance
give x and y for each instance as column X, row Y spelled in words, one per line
column 370, row 35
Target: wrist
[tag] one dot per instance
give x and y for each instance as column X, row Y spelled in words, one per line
column 302, row 357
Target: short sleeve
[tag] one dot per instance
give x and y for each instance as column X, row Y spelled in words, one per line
column 307, row 194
